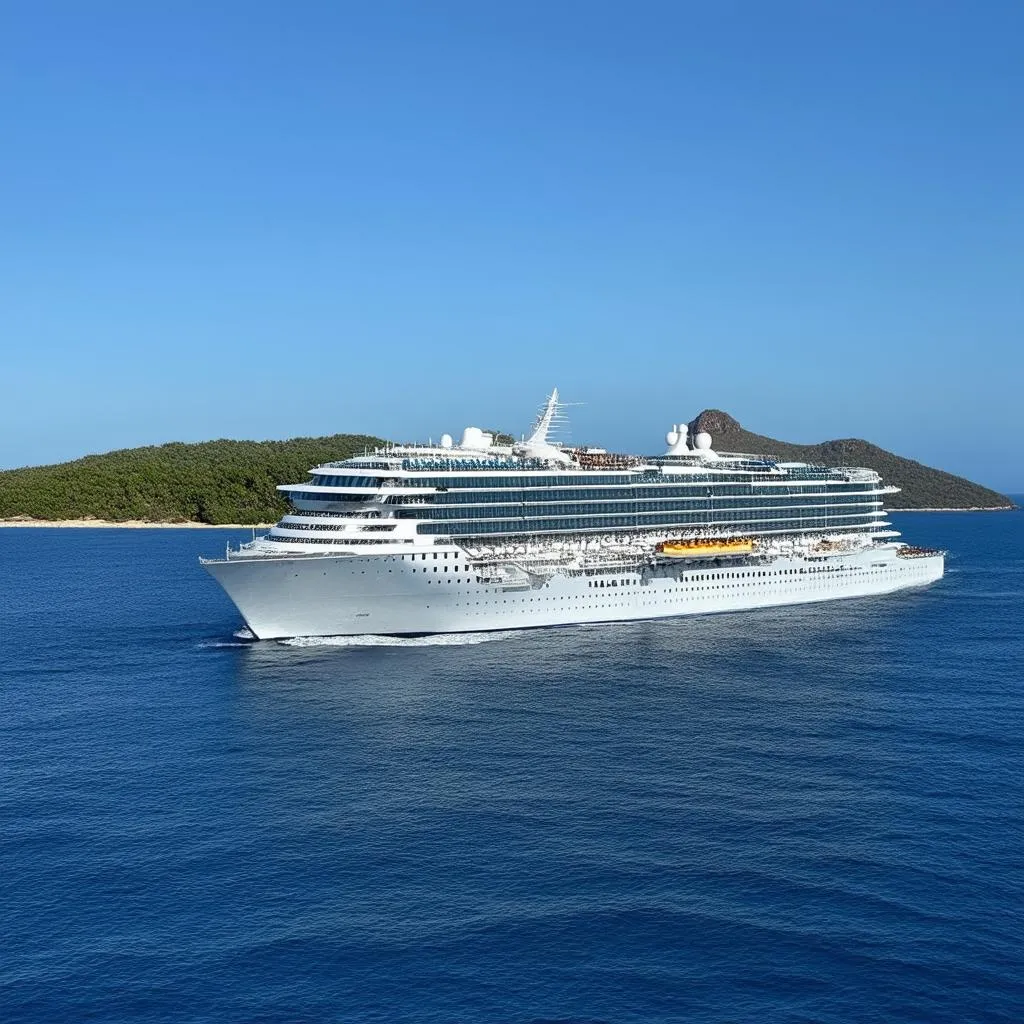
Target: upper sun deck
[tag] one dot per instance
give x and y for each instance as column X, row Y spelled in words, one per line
column 479, row 452
column 412, row 466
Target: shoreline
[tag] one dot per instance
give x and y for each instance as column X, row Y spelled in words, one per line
column 968, row 508
column 142, row 524
column 129, row 524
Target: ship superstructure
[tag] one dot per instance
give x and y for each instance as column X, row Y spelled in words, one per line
column 484, row 535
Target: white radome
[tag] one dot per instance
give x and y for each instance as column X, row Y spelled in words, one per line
column 703, row 441
column 472, row 438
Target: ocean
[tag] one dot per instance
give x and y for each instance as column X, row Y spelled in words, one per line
column 808, row 814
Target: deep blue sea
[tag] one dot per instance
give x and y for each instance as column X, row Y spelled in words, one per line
column 810, row 814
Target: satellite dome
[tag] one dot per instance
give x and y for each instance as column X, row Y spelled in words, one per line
column 676, row 440
column 703, row 441
column 472, row 438
column 446, row 441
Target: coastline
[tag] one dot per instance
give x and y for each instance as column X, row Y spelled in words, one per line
column 143, row 524
column 130, row 524
column 969, row 508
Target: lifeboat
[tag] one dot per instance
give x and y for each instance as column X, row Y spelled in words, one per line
column 706, row 548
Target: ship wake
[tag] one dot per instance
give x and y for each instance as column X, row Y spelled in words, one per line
column 375, row 640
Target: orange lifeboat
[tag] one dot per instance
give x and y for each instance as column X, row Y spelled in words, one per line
column 706, row 548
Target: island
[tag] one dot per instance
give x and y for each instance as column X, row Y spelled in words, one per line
column 232, row 483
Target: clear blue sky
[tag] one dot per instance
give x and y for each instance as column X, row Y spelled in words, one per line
column 262, row 220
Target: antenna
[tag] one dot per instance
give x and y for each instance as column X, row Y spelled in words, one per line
column 552, row 420
column 544, row 420
column 539, row 444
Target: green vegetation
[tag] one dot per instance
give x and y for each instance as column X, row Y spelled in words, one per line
column 233, row 481
column 922, row 486
column 213, row 482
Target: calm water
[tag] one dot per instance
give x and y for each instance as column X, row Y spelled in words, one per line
column 809, row 814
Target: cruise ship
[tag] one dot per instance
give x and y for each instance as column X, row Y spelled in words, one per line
column 482, row 535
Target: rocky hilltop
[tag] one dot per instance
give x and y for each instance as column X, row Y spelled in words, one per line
column 922, row 486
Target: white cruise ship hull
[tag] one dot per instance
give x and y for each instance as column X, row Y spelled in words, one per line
column 344, row 595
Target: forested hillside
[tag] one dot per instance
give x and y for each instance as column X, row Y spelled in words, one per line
column 922, row 486
column 211, row 482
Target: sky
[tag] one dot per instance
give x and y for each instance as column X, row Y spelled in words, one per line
column 264, row 220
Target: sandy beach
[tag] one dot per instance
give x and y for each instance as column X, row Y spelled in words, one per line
column 132, row 524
